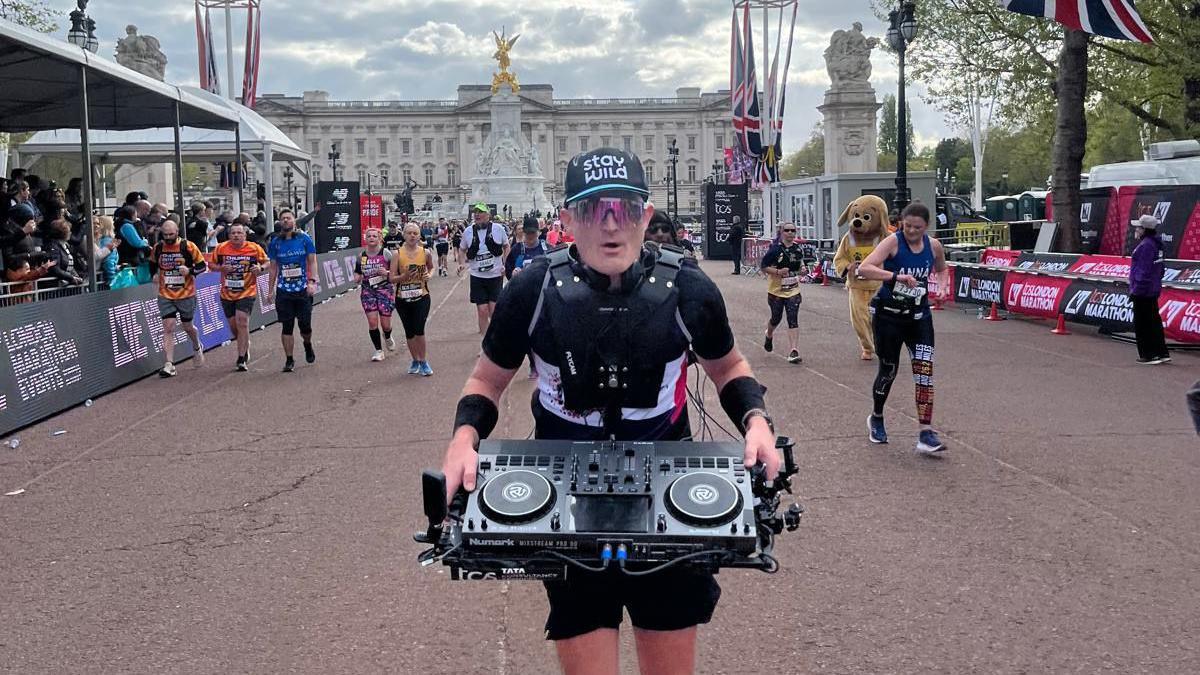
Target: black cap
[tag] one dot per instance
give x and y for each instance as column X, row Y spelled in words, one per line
column 604, row 170
column 530, row 224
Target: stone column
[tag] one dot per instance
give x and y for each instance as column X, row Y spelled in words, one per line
column 851, row 133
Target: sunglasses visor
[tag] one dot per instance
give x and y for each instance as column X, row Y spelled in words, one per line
column 625, row 212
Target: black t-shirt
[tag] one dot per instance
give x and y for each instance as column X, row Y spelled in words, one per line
column 700, row 305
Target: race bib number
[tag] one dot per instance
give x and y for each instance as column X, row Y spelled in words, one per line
column 790, row 281
column 292, row 272
column 912, row 295
column 411, row 292
column 235, row 284
column 173, row 278
column 485, row 262
column 526, row 262
column 376, row 282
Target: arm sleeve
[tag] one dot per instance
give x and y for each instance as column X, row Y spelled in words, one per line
column 703, row 311
column 506, row 342
column 199, row 264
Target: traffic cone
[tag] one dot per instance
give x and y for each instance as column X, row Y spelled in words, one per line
column 824, row 277
column 1061, row 328
column 994, row 314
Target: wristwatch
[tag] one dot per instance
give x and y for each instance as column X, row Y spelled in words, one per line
column 760, row 413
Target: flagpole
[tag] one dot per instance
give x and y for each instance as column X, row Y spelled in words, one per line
column 229, row 48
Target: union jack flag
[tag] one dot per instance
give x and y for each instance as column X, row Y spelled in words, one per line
column 752, row 119
column 1116, row 19
column 250, row 74
column 210, row 80
column 737, row 85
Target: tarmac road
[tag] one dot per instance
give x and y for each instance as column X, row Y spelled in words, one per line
column 261, row 522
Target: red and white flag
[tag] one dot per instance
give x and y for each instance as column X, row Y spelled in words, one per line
column 250, row 75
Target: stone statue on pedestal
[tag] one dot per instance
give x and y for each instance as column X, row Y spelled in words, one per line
column 142, row 53
column 848, row 57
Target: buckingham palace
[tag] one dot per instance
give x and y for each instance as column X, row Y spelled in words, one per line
column 384, row 143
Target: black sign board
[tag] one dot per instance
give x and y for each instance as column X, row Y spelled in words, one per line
column 978, row 286
column 338, row 220
column 1093, row 215
column 57, row 353
column 1171, row 204
column 721, row 204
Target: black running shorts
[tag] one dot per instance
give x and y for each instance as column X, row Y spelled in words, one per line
column 484, row 290
column 673, row 599
column 231, row 307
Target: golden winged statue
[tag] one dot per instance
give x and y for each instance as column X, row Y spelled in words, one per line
column 503, row 46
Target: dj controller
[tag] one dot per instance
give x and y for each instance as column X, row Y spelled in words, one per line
column 547, row 509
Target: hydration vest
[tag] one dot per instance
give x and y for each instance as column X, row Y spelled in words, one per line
column 611, row 348
column 494, row 248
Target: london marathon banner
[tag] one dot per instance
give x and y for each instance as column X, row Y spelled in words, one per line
column 371, row 208
column 978, row 285
column 57, row 353
column 338, row 220
column 721, row 204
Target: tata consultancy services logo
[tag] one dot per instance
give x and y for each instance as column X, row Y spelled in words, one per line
column 1075, row 304
column 340, row 194
column 1014, row 294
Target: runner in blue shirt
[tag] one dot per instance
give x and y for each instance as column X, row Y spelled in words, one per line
column 293, row 284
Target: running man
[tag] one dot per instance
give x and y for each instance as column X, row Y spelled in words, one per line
column 378, row 299
column 485, row 245
column 293, row 285
column 523, row 253
column 783, row 264
column 442, row 240
column 901, row 316
column 240, row 263
column 176, row 262
column 411, row 267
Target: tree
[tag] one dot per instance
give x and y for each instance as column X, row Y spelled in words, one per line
column 1070, row 136
column 887, row 129
column 35, row 14
column 809, row 160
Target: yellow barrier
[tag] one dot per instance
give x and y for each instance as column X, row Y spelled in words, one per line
column 983, row 234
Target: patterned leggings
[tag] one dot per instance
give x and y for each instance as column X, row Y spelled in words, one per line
column 890, row 335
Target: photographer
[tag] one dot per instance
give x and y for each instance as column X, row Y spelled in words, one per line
column 606, row 302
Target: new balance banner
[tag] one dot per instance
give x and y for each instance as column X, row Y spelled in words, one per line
column 55, row 354
column 1034, row 295
column 1173, row 205
column 721, row 204
column 339, row 217
column 979, row 286
column 1098, row 304
column 1180, row 312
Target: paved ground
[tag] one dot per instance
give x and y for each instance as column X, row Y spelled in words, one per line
column 262, row 522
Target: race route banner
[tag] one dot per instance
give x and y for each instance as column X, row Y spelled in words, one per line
column 1033, row 294
column 979, row 286
column 57, row 353
column 1180, row 312
column 721, row 204
column 1098, row 303
column 995, row 257
column 338, row 220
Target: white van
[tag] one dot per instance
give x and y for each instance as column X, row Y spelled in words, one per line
column 1170, row 163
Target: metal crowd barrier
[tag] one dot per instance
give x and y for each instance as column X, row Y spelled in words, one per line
column 18, row 293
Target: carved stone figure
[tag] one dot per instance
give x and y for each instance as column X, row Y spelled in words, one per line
column 848, row 57
column 855, row 142
column 142, row 53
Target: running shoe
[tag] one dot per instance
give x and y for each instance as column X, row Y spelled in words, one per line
column 1147, row 362
column 241, row 364
column 929, row 443
column 875, row 428
column 415, row 368
column 289, row 365
column 378, row 355
column 425, row 371
column 768, row 343
column 167, row 370
column 794, row 356
column 1163, row 359
column 310, row 355
column 198, row 359
column 391, row 344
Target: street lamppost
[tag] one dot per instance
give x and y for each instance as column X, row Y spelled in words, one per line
column 83, row 28
column 287, row 177
column 334, row 156
column 1004, row 179
column 673, row 154
column 902, row 30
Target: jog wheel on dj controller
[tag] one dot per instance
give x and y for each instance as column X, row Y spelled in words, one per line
column 703, row 499
column 517, row 496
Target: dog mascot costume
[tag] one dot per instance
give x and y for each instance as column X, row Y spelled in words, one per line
column 868, row 221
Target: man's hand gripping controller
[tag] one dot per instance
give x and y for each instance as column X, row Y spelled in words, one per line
column 767, row 495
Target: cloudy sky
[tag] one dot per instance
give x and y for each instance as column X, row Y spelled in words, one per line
column 423, row 49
